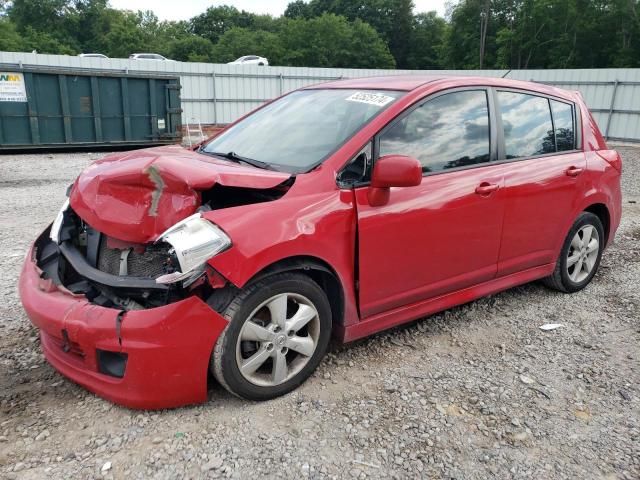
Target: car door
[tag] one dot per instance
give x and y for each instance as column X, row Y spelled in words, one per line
column 443, row 235
column 543, row 180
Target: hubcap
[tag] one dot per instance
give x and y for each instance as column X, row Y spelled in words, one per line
column 583, row 253
column 278, row 339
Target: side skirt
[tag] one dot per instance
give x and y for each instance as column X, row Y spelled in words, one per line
column 407, row 313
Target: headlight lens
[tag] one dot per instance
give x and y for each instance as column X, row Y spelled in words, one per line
column 54, row 234
column 194, row 240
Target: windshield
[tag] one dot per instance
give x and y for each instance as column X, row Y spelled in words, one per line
column 300, row 130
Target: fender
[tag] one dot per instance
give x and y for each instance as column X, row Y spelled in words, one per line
column 321, row 226
column 592, row 198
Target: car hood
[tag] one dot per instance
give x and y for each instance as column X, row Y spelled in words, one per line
column 135, row 196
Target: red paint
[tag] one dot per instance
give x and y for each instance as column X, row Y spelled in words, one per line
column 401, row 248
column 169, row 347
column 541, row 207
column 430, row 239
column 116, row 194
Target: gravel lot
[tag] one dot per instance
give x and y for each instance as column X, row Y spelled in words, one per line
column 478, row 391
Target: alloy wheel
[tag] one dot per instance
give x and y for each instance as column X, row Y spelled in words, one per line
column 278, row 339
column 583, row 253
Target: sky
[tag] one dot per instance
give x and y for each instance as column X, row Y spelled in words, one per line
column 185, row 9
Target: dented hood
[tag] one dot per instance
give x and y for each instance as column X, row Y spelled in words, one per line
column 135, row 196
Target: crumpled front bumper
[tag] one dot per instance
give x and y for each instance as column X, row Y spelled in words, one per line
column 168, row 348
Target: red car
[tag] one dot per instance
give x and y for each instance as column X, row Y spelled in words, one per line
column 341, row 209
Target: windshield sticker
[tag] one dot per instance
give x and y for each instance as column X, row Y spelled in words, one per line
column 377, row 99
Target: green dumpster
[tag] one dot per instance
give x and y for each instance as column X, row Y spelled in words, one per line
column 47, row 108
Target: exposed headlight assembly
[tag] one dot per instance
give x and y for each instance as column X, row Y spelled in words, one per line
column 194, row 240
column 54, row 234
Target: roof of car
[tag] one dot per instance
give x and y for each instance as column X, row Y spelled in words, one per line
column 386, row 82
column 412, row 82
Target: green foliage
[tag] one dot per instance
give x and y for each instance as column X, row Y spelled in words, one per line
column 126, row 35
column 299, row 9
column 426, row 42
column 191, row 48
column 546, row 34
column 392, row 19
column 10, row 39
column 215, row 21
column 344, row 33
column 332, row 41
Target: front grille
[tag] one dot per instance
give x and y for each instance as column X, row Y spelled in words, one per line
column 151, row 263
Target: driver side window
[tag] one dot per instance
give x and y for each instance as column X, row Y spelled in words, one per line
column 449, row 131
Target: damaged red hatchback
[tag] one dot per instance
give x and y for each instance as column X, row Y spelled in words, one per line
column 342, row 209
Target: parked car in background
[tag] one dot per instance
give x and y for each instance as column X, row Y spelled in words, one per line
column 92, row 55
column 250, row 60
column 146, row 56
column 340, row 210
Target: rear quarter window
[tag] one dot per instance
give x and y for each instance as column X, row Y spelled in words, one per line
column 563, row 125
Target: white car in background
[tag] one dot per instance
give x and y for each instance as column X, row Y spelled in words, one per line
column 92, row 55
column 146, row 56
column 250, row 60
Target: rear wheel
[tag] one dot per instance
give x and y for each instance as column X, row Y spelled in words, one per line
column 278, row 332
column 580, row 255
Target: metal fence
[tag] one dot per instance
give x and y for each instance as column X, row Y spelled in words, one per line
column 218, row 94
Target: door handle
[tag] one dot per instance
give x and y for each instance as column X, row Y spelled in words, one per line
column 486, row 188
column 573, row 171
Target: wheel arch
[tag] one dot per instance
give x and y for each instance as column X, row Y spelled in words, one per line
column 601, row 211
column 319, row 271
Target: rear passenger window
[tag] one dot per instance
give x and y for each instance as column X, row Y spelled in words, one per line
column 563, row 124
column 526, row 120
column 449, row 131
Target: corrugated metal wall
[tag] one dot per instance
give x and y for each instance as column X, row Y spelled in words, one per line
column 218, row 94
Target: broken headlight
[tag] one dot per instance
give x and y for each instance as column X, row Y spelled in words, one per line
column 54, row 234
column 194, row 240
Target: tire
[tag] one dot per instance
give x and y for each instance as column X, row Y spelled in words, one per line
column 565, row 277
column 261, row 319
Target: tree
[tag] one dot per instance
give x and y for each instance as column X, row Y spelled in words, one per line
column 472, row 24
column 90, row 21
column 125, row 35
column 299, row 9
column 43, row 42
column 10, row 39
column 215, row 21
column 332, row 41
column 41, row 15
column 392, row 19
column 44, row 25
column 345, row 33
column 191, row 49
column 426, row 42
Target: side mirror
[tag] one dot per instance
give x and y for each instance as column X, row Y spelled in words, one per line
column 393, row 171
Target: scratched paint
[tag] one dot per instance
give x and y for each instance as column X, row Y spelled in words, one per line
column 156, row 178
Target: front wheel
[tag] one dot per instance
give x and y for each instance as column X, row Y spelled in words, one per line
column 278, row 332
column 580, row 255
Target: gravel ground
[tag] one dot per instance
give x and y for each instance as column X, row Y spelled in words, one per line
column 478, row 391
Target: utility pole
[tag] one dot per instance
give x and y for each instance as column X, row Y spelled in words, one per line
column 484, row 21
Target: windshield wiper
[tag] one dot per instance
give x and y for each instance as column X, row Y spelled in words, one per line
column 238, row 158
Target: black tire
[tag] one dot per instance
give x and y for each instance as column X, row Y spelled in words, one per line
column 559, row 279
column 223, row 364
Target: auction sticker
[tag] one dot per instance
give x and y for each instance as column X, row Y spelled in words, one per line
column 371, row 98
column 12, row 87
